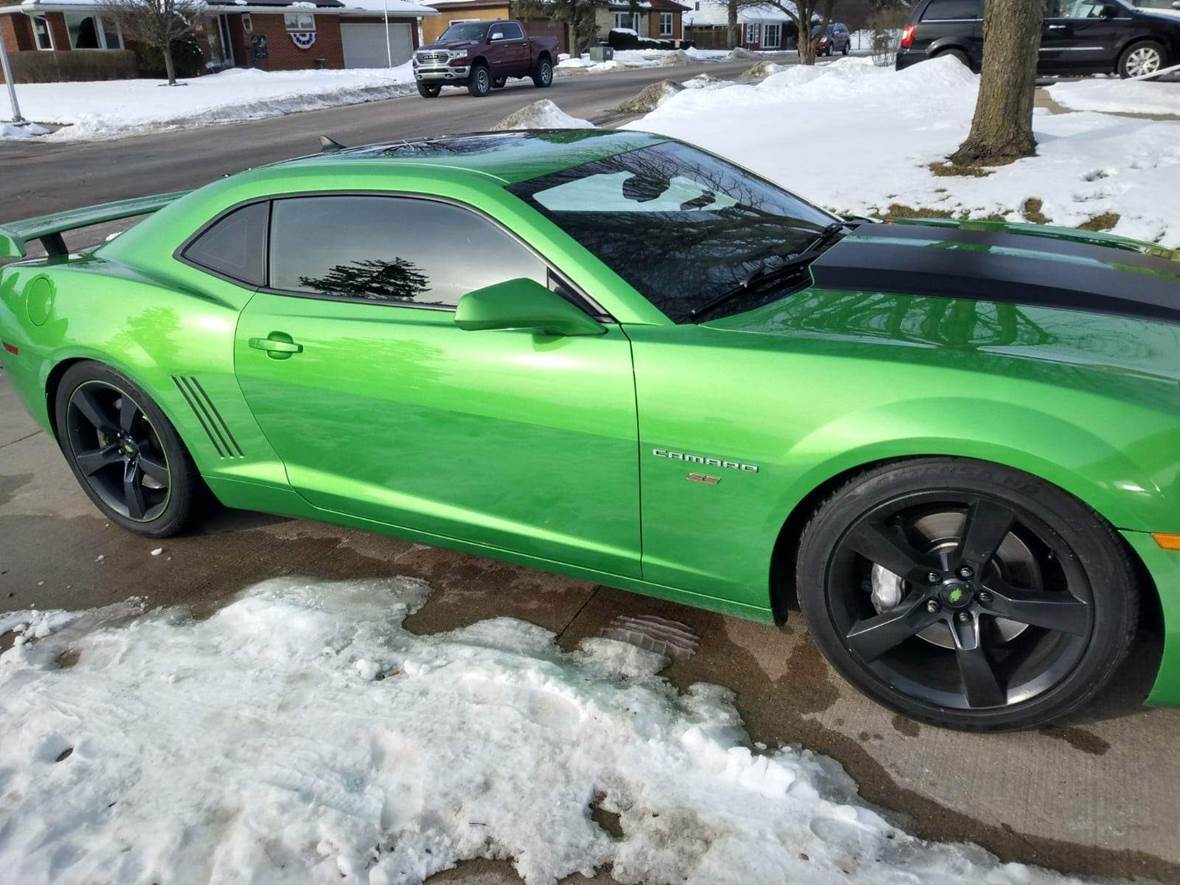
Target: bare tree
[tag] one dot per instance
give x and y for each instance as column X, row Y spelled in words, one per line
column 734, row 32
column 579, row 15
column 156, row 23
column 804, row 14
column 1002, row 128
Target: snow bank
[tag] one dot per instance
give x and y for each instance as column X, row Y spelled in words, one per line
column 644, row 58
column 115, row 108
column 301, row 734
column 857, row 138
column 15, row 131
column 1118, row 96
column 542, row 114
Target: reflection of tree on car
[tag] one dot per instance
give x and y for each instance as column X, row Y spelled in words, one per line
column 373, row 279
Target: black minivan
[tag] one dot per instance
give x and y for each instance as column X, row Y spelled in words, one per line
column 1080, row 36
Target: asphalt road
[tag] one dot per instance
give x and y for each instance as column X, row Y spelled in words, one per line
column 37, row 178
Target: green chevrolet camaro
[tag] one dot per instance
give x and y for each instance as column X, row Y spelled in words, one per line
column 619, row 357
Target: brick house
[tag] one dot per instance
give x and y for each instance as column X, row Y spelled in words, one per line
column 272, row 35
column 451, row 11
column 650, row 19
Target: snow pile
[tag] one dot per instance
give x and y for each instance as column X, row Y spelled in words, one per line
column 1118, row 96
column 857, row 138
column 114, row 108
column 302, row 735
column 15, row 131
column 542, row 114
column 644, row 58
column 650, row 96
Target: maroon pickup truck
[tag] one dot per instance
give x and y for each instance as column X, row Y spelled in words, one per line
column 482, row 56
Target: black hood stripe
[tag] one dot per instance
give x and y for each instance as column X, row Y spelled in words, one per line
column 1004, row 267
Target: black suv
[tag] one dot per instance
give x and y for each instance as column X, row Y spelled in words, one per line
column 1080, row 36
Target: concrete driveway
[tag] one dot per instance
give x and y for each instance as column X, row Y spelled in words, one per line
column 1095, row 796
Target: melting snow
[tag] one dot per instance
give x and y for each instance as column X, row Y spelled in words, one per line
column 301, row 734
column 857, row 138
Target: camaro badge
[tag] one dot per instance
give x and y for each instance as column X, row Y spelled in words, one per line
column 703, row 460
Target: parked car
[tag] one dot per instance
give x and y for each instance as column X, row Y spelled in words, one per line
column 482, row 56
column 835, row 38
column 619, row 357
column 1079, row 36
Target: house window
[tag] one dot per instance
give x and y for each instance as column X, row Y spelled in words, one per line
column 41, row 32
column 665, row 24
column 773, row 37
column 753, row 34
column 93, row 32
column 299, row 21
column 627, row 21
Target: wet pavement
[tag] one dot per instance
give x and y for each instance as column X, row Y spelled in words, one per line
column 1095, row 796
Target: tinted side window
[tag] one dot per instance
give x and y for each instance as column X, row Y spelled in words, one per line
column 390, row 249
column 235, row 246
column 512, row 31
column 953, row 10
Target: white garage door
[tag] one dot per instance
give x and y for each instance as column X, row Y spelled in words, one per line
column 364, row 44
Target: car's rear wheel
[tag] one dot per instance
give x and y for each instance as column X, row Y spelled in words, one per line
column 125, row 452
column 429, row 90
column 479, row 83
column 543, row 75
column 957, row 54
column 1141, row 60
column 965, row 594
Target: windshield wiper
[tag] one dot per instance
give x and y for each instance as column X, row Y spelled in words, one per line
column 790, row 265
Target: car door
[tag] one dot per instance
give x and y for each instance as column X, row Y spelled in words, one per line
column 382, row 408
column 1081, row 35
column 511, row 48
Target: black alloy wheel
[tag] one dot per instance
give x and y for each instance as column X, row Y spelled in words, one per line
column 125, row 453
column 991, row 602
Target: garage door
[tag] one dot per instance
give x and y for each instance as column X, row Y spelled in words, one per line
column 364, row 44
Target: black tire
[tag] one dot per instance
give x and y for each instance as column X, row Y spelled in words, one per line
column 1144, row 57
column 543, row 74
column 846, row 49
column 110, row 431
column 499, row 82
column 968, row 651
column 479, row 83
column 959, row 54
column 429, row 90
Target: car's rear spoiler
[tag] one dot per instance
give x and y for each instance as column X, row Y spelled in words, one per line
column 16, row 235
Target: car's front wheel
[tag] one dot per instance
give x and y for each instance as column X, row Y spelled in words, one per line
column 965, row 594
column 1141, row 60
column 429, row 90
column 124, row 452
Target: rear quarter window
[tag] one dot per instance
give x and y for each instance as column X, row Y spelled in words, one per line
column 953, row 10
column 234, row 246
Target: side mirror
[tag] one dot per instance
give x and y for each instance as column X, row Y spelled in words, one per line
column 523, row 304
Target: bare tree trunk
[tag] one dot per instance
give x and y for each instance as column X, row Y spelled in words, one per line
column 1002, row 128
column 734, row 35
column 169, row 64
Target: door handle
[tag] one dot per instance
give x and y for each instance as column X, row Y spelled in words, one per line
column 1057, row 27
column 277, row 345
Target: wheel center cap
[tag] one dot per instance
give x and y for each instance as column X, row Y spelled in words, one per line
column 129, row 448
column 956, row 594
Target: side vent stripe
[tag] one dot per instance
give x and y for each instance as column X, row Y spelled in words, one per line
column 208, row 417
column 233, row 443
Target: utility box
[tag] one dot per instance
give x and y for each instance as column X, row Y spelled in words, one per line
column 602, row 52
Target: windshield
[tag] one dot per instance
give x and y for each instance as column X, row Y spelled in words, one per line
column 678, row 224
column 464, row 31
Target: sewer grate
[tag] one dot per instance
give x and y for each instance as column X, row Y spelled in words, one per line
column 671, row 638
